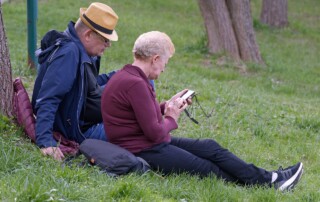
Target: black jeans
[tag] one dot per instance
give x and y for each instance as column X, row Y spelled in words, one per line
column 203, row 157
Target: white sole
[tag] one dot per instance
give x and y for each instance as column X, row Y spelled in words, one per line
column 289, row 182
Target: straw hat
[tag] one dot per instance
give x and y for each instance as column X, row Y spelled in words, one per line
column 101, row 18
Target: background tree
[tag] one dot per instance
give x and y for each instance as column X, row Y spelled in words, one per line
column 6, row 87
column 274, row 13
column 230, row 29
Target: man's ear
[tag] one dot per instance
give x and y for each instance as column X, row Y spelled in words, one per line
column 87, row 34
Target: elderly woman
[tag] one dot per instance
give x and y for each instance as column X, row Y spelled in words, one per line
column 136, row 121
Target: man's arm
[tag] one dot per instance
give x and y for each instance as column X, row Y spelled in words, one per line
column 103, row 79
column 57, row 81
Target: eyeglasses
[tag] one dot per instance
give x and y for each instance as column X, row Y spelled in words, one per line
column 105, row 40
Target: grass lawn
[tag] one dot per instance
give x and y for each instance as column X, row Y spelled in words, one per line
column 268, row 116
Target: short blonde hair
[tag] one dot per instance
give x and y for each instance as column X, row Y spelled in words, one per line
column 153, row 43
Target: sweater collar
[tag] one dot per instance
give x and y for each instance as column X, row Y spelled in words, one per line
column 136, row 71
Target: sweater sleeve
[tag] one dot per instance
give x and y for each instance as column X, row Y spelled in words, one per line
column 148, row 114
column 162, row 107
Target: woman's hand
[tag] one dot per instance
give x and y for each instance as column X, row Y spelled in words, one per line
column 174, row 108
column 178, row 95
column 189, row 101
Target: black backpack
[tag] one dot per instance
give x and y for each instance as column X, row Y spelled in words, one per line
column 112, row 159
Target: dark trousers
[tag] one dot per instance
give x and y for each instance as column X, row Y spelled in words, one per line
column 203, row 157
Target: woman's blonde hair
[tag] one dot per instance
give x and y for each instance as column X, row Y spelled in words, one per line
column 153, row 43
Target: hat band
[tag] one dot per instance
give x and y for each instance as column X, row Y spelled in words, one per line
column 98, row 27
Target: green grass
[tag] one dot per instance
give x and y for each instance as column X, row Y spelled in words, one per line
column 269, row 116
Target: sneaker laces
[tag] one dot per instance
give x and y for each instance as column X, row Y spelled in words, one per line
column 284, row 174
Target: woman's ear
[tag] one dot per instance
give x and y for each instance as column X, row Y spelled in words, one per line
column 155, row 58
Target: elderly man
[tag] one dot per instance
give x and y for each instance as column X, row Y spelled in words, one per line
column 67, row 90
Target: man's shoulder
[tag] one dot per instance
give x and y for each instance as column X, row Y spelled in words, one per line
column 54, row 44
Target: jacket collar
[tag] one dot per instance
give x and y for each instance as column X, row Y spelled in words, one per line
column 71, row 32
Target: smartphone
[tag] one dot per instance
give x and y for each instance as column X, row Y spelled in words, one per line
column 189, row 93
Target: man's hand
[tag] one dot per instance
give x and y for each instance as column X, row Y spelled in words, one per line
column 55, row 152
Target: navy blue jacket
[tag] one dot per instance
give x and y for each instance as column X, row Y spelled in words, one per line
column 60, row 88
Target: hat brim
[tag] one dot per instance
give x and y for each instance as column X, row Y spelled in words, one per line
column 112, row 37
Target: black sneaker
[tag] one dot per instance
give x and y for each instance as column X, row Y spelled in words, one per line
column 290, row 167
column 288, row 177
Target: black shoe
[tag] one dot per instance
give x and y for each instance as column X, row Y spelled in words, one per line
column 290, row 167
column 288, row 177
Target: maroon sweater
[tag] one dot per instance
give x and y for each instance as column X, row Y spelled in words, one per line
column 132, row 117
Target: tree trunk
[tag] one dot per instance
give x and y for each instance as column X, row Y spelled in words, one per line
column 6, row 86
column 242, row 23
column 229, row 28
column 221, row 36
column 274, row 13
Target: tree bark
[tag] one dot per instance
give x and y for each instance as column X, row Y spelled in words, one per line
column 242, row 23
column 274, row 13
column 229, row 28
column 221, row 36
column 6, row 85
